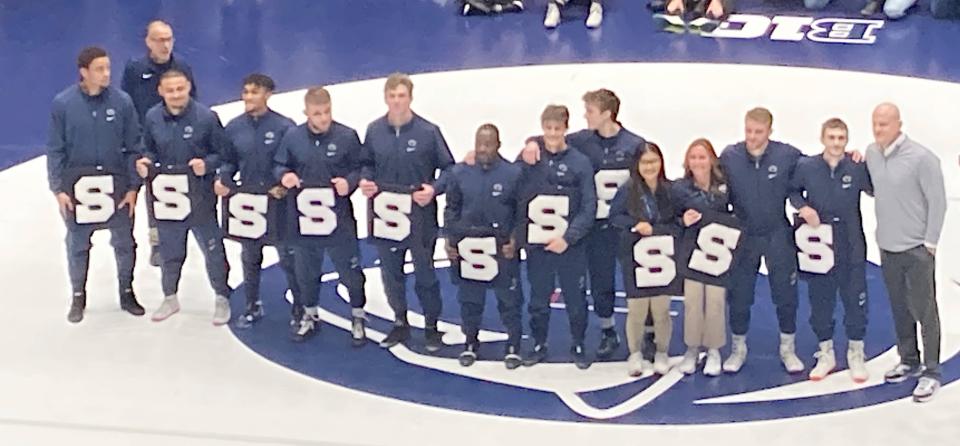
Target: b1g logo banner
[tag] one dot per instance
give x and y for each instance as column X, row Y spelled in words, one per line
column 394, row 218
column 96, row 195
column 179, row 196
column 481, row 255
column 649, row 264
column 709, row 248
column 313, row 214
column 607, row 182
column 547, row 216
column 796, row 29
column 815, row 247
column 253, row 215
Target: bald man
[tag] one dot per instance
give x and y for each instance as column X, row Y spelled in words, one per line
column 140, row 79
column 910, row 205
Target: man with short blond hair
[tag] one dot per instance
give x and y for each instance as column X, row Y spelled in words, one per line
column 827, row 189
column 317, row 155
column 759, row 173
column 406, row 151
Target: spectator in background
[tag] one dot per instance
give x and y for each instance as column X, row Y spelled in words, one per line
column 554, row 7
column 489, row 7
column 711, row 9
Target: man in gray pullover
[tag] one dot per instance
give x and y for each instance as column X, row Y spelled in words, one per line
column 910, row 205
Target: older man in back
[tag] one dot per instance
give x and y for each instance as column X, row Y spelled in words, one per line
column 910, row 205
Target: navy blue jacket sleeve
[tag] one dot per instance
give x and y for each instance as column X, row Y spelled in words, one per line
column 193, row 81
column 667, row 221
column 678, row 196
column 283, row 159
column 229, row 164
column 619, row 215
column 131, row 143
column 444, row 158
column 368, row 169
column 149, row 145
column 220, row 145
column 355, row 161
column 56, row 147
column 454, row 208
column 126, row 84
column 586, row 215
column 867, row 184
column 797, row 186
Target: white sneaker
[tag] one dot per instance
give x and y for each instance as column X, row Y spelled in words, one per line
column 856, row 359
column 925, row 389
column 826, row 361
column 595, row 18
column 661, row 363
column 552, row 19
column 647, row 367
column 221, row 310
column 635, row 364
column 738, row 354
column 712, row 367
column 689, row 363
column 788, row 354
column 169, row 307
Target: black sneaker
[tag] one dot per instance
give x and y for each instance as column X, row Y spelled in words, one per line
column 358, row 332
column 580, row 357
column 155, row 256
column 512, row 358
column 253, row 313
column 77, row 305
column 536, row 356
column 399, row 334
column 306, row 329
column 469, row 355
column 296, row 314
column 609, row 343
column 434, row 339
column 128, row 303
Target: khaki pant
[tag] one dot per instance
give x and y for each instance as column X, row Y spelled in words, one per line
column 704, row 315
column 659, row 308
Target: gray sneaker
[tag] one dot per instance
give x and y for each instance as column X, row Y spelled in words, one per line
column 901, row 373
column 925, row 389
column 169, row 307
column 221, row 311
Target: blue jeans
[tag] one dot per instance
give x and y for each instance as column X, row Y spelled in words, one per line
column 124, row 249
column 173, row 252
